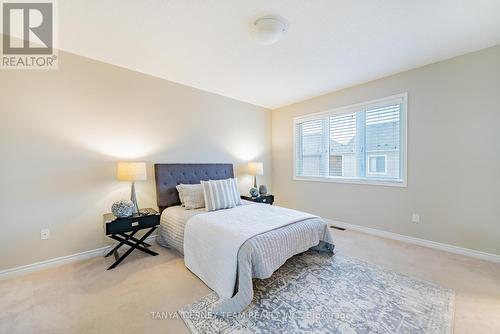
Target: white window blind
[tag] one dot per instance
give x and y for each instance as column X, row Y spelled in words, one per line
column 343, row 143
column 359, row 143
column 311, row 148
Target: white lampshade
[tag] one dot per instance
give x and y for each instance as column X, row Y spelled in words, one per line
column 255, row 168
column 131, row 171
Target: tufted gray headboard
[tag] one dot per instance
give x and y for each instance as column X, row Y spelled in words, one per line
column 170, row 175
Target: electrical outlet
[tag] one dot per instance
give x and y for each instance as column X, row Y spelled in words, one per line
column 45, row 234
column 415, row 218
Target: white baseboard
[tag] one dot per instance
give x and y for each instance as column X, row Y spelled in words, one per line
column 420, row 242
column 58, row 261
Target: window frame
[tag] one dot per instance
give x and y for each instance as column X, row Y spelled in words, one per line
column 401, row 98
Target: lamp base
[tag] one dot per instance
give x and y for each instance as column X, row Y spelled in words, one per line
column 133, row 198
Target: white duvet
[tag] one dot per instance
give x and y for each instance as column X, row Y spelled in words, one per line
column 212, row 240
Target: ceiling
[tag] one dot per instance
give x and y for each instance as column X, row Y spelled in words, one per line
column 330, row 44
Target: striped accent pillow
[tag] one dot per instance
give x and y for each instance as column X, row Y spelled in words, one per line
column 236, row 192
column 220, row 194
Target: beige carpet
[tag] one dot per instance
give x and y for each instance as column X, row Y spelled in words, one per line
column 85, row 298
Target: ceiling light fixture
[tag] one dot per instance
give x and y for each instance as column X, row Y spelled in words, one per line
column 269, row 29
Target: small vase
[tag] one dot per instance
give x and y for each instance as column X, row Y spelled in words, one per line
column 263, row 190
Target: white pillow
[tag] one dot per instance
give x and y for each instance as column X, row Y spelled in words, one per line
column 179, row 190
column 192, row 195
column 220, row 194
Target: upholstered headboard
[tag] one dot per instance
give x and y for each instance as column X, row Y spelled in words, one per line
column 170, row 175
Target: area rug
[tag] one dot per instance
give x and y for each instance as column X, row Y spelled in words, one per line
column 317, row 293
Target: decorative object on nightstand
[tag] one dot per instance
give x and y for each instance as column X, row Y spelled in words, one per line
column 256, row 168
column 254, row 192
column 122, row 208
column 124, row 229
column 268, row 199
column 132, row 171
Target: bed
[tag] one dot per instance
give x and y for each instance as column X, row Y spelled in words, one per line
column 227, row 248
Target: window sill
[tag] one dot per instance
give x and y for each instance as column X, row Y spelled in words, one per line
column 386, row 183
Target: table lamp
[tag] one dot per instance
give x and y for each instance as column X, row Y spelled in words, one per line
column 132, row 171
column 255, row 168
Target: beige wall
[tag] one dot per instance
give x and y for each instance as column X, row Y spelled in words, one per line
column 453, row 156
column 62, row 131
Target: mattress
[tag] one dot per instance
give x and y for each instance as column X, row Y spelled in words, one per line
column 172, row 224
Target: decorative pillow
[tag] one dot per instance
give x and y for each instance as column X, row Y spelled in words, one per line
column 236, row 192
column 192, row 194
column 179, row 188
column 220, row 194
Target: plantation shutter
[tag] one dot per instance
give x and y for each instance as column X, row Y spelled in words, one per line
column 383, row 140
column 311, row 148
column 343, row 145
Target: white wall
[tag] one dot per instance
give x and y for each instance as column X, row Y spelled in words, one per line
column 62, row 131
column 453, row 156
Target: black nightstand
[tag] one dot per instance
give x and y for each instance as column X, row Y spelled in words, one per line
column 268, row 199
column 123, row 230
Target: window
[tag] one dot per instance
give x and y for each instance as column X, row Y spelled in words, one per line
column 363, row 143
column 376, row 164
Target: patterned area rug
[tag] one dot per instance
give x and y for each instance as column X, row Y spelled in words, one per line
column 317, row 293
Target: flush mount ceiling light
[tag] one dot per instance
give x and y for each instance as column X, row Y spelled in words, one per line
column 269, row 29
